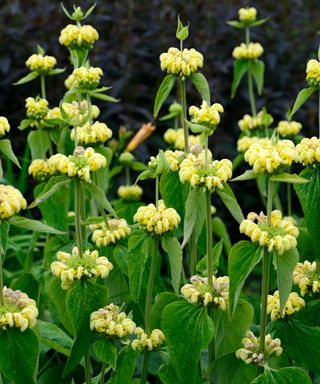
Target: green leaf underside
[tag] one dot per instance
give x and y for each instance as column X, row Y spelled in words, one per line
column 173, row 249
column 201, row 83
column 240, row 68
column 163, row 92
column 229, row 200
column 302, row 97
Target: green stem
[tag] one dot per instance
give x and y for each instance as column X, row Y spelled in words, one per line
column 1, row 271
column 157, row 191
column 43, row 86
column 33, row 242
column 184, row 115
column 193, row 253
column 289, row 199
column 251, row 95
column 87, row 367
column 103, row 372
column 247, row 35
column 77, row 211
column 145, row 367
column 127, row 172
column 50, row 144
column 209, row 236
column 319, row 114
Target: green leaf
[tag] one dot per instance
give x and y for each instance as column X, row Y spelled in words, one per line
column 197, row 128
column 220, row 230
column 25, row 123
column 138, row 250
column 6, row 149
column 106, row 352
column 39, row 143
column 89, row 11
column 285, row 265
column 290, row 375
column 56, row 71
column 240, row 68
column 216, row 252
column 243, row 257
column 125, row 366
column 257, row 71
column 182, row 31
column 228, row 369
column 160, row 302
column 167, row 374
column 302, row 97
column 227, row 196
column 103, row 97
column 19, row 355
column 247, row 175
column 53, row 186
column 259, row 22
column 163, row 92
column 173, row 249
column 163, row 165
column 40, row 50
column 289, row 178
column 201, row 83
column 33, row 225
column 188, row 330
column 31, row 76
column 100, row 197
column 236, row 24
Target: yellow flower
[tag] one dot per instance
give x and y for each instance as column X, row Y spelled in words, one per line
column 86, row 78
column 126, row 158
column 294, row 304
column 130, row 192
column 245, row 142
column 206, row 115
column 175, row 137
column 306, row 276
column 109, row 233
column 194, row 171
column 40, row 63
column 71, row 267
column 309, row 151
column 11, row 201
column 92, row 134
column 157, row 220
column 174, row 159
column 251, row 51
column 17, row 311
column 313, row 73
column 267, row 157
column 78, row 112
column 248, row 123
column 248, row 14
column 41, row 170
column 200, row 291
column 111, row 322
column 289, row 128
column 4, row 126
column 143, row 341
column 54, row 113
column 250, row 353
column 73, row 36
column 281, row 235
column 183, row 63
column 36, row 109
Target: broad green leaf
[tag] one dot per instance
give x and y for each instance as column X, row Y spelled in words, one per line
column 229, row 332
column 228, row 369
column 197, row 128
column 188, row 330
column 173, row 249
column 302, row 97
column 163, row 92
column 219, row 229
column 167, row 374
column 39, row 143
column 6, row 149
column 285, row 265
column 125, row 366
column 160, row 302
column 201, row 83
column 40, row 50
column 308, row 195
column 289, row 178
column 183, row 34
column 25, row 123
column 100, row 197
column 19, row 355
column 290, row 375
column 33, row 225
column 106, row 351
column 173, row 192
column 53, row 186
column 236, row 24
column 203, row 263
column 26, row 283
column 163, row 165
column 56, row 71
column 257, row 71
column 247, row 175
column 240, row 68
column 243, row 257
column 229, row 200
column 29, row 77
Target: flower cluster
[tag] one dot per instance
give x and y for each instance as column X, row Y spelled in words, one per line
column 248, row 122
column 157, row 220
column 306, row 276
column 183, row 63
column 248, row 14
column 110, row 321
column 11, row 201
column 194, row 170
column 174, row 159
column 294, row 304
column 280, row 235
column 17, row 311
column 41, row 169
column 78, row 111
column 79, row 164
column 289, row 128
column 313, row 73
column 73, row 36
column 40, row 63
column 92, row 134
column 143, row 341
column 206, row 115
column 85, row 78
column 245, row 142
column 109, row 232
column 130, row 192
column 4, row 126
column 175, row 138
column 199, row 290
column 36, row 109
column 251, row 51
column 71, row 267
column 268, row 157
column 250, row 353
column 309, row 151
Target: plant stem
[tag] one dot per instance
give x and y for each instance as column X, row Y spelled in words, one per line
column 184, row 115
column 319, row 114
column 193, row 253
column 145, row 367
column 103, row 372
column 50, row 144
column 209, row 235
column 289, row 199
column 87, row 367
column 247, row 35
column 127, row 172
column 1, row 271
column 251, row 95
column 32, row 244
column 43, row 86
column 157, row 191
column 77, row 211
